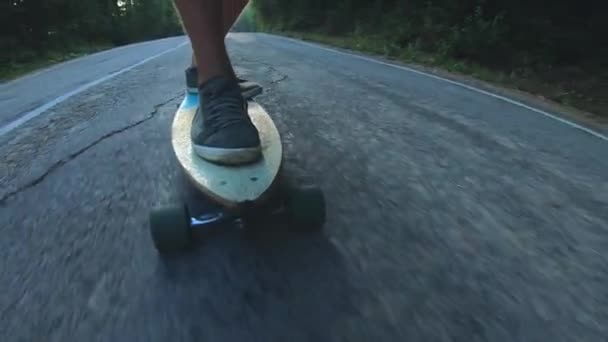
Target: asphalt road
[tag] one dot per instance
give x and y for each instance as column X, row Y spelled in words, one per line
column 452, row 215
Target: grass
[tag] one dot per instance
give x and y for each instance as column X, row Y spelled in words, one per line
column 570, row 86
column 12, row 70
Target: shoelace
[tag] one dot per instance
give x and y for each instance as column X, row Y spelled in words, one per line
column 223, row 109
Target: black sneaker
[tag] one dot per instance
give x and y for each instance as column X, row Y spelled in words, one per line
column 249, row 89
column 222, row 131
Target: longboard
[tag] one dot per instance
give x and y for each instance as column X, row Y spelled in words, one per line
column 230, row 186
column 233, row 187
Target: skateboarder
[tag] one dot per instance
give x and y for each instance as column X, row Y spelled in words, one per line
column 221, row 129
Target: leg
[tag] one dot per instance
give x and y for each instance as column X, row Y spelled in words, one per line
column 231, row 10
column 222, row 132
column 202, row 20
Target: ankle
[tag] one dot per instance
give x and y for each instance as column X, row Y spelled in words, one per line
column 204, row 75
column 219, row 86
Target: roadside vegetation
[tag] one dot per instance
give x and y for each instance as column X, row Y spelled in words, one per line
column 37, row 33
column 556, row 50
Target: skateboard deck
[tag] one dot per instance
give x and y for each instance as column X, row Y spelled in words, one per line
column 302, row 206
column 230, row 186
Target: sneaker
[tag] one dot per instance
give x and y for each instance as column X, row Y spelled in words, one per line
column 192, row 80
column 222, row 131
column 249, row 89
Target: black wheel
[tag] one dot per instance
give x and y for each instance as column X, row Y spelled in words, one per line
column 306, row 206
column 170, row 228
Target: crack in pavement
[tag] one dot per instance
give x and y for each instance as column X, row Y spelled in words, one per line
column 76, row 154
column 270, row 67
column 280, row 79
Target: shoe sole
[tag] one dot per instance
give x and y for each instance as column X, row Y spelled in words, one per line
column 250, row 94
column 228, row 156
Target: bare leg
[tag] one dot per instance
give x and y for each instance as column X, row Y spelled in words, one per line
column 203, row 21
column 231, row 10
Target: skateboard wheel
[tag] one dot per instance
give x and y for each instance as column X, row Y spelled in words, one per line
column 170, row 228
column 306, row 206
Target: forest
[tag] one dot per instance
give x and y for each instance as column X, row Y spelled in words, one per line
column 555, row 48
column 53, row 29
column 504, row 33
column 561, row 43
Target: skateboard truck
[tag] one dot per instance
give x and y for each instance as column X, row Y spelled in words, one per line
column 224, row 218
column 172, row 227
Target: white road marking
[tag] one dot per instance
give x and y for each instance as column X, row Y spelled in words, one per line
column 74, row 60
column 35, row 112
column 456, row 83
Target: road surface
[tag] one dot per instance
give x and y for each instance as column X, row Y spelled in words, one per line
column 452, row 215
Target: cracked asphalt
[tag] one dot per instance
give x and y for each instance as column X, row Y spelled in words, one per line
column 452, row 215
